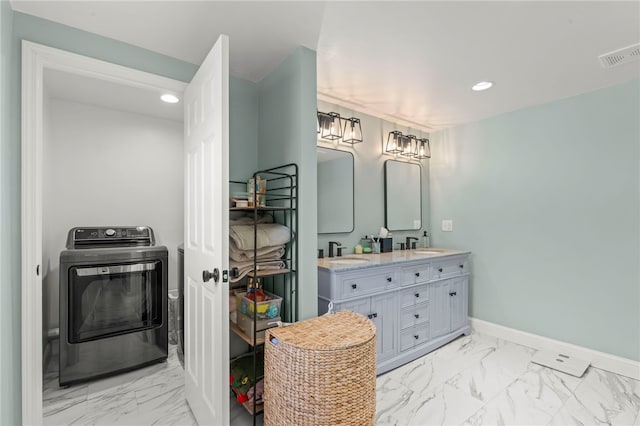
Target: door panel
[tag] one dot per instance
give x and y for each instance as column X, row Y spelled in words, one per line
column 459, row 301
column 207, row 237
column 439, row 308
column 360, row 306
column 385, row 313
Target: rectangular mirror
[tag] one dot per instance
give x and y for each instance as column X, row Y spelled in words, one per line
column 402, row 196
column 335, row 191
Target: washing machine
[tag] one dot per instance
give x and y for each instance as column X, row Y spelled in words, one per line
column 113, row 302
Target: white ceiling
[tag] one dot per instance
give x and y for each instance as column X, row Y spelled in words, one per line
column 107, row 94
column 410, row 62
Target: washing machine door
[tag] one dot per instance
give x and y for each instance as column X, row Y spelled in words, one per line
column 112, row 299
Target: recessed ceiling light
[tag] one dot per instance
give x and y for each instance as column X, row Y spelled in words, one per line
column 483, row 85
column 168, row 98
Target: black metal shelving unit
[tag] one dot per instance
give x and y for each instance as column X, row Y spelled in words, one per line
column 281, row 201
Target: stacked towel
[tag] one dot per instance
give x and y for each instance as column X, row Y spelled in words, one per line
column 267, row 245
column 264, row 253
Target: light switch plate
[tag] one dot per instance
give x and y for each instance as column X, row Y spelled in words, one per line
column 447, row 225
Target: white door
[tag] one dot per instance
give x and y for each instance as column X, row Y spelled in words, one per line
column 206, row 238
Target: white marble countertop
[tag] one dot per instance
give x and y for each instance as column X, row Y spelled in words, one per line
column 368, row 260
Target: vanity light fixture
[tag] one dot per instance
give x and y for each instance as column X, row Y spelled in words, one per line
column 394, row 142
column 352, row 132
column 331, row 128
column 409, row 146
column 423, row 149
column 169, row 98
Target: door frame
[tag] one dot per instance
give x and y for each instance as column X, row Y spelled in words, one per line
column 36, row 58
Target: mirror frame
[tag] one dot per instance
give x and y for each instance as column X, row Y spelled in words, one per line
column 386, row 198
column 353, row 191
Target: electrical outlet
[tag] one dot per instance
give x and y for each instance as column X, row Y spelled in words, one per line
column 447, row 225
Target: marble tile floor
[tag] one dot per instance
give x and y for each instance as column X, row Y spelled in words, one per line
column 474, row 380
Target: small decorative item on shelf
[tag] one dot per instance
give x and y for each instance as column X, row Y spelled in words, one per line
column 258, row 187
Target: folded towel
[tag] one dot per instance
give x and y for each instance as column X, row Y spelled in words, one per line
column 243, row 268
column 265, row 253
column 267, row 235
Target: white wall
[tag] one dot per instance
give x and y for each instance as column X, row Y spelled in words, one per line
column 108, row 168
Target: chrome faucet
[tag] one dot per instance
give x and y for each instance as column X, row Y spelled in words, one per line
column 407, row 243
column 331, row 245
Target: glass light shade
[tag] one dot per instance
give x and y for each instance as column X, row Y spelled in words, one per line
column 409, row 146
column 331, row 129
column 352, row 131
column 424, row 150
column 393, row 142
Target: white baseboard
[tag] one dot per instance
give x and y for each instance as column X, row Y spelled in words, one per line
column 613, row 363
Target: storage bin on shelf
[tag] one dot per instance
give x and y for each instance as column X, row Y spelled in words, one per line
column 321, row 371
column 235, row 299
column 246, row 324
column 266, row 309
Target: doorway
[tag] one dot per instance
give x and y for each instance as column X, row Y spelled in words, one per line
column 100, row 85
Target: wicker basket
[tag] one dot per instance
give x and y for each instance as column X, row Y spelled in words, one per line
column 321, row 371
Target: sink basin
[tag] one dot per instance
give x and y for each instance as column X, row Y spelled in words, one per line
column 348, row 261
column 426, row 252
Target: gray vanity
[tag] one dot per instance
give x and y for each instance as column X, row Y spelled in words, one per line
column 418, row 299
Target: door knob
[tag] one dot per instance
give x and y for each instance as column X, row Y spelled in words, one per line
column 207, row 275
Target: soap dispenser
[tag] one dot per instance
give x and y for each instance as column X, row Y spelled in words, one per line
column 425, row 239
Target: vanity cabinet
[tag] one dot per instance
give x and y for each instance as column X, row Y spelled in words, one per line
column 450, row 305
column 417, row 303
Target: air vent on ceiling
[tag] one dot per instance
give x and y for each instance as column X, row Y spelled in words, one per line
column 620, row 56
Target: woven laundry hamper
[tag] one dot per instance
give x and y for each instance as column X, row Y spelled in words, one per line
column 321, row 371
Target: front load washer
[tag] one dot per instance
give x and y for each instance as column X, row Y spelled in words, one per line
column 113, row 302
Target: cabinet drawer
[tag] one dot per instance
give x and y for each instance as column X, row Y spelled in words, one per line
column 414, row 274
column 414, row 316
column 448, row 268
column 353, row 287
column 414, row 336
column 414, row 296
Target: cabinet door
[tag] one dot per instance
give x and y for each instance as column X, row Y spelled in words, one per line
column 439, row 308
column 359, row 306
column 458, row 291
column 384, row 316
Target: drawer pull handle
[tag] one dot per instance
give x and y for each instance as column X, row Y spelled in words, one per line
column 416, row 336
column 372, row 316
column 440, row 270
column 417, row 294
column 453, row 293
column 389, row 279
column 461, row 266
column 417, row 274
column 354, row 286
column 416, row 315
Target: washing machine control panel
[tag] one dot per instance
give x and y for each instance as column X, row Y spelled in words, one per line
column 98, row 236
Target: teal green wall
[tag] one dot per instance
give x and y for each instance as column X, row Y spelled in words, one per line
column 88, row 44
column 548, row 200
column 243, row 130
column 369, row 161
column 287, row 134
column 16, row 27
column 10, row 379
